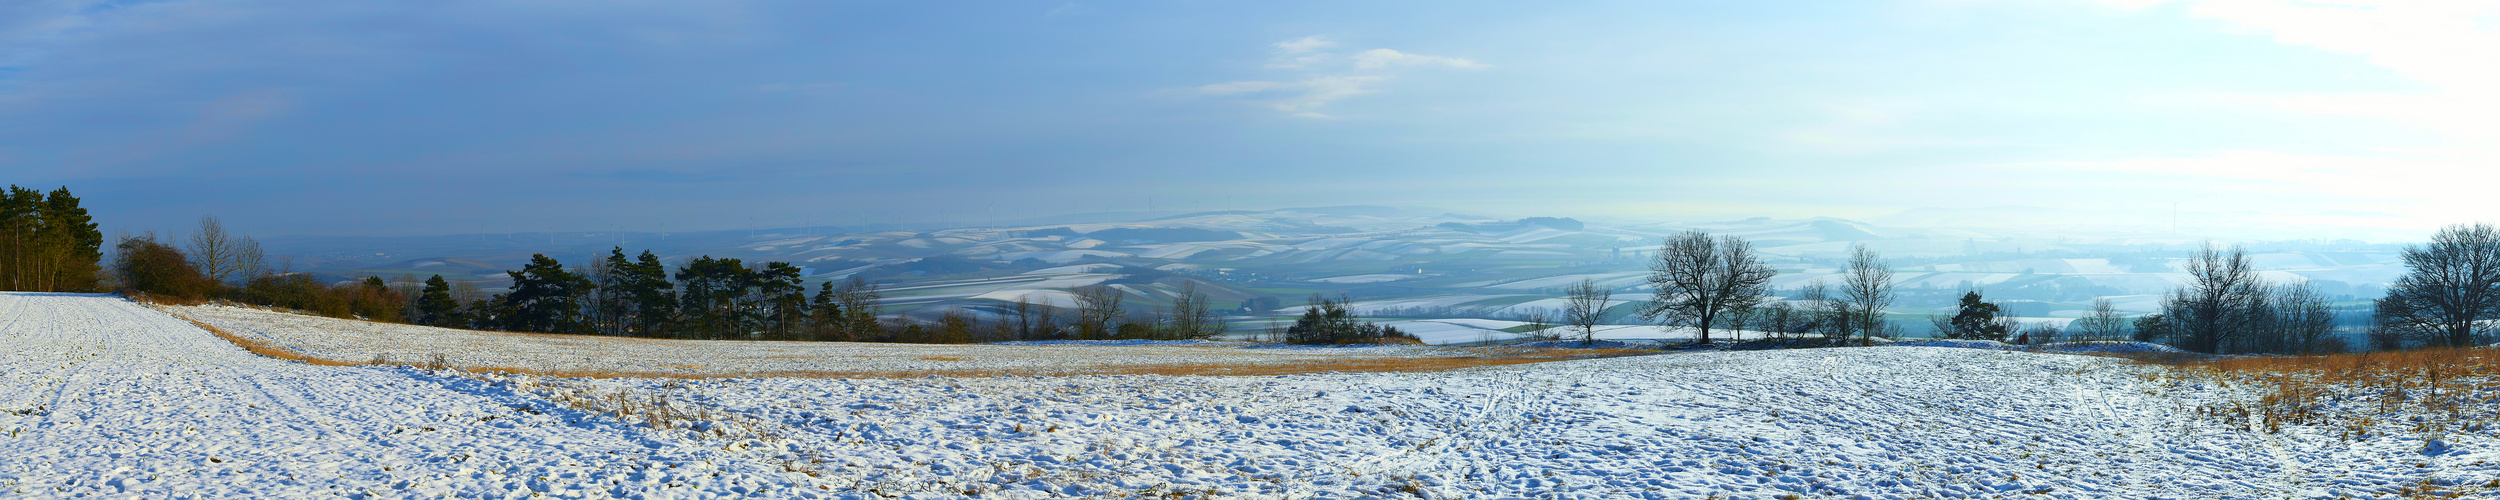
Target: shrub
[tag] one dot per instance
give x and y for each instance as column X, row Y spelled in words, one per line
column 148, row 267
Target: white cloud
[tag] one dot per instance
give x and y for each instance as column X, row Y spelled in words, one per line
column 1306, row 96
column 2445, row 45
column 1305, row 44
column 1383, row 58
column 1240, row 87
column 1327, row 76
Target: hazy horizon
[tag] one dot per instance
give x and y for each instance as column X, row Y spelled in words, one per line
column 284, row 117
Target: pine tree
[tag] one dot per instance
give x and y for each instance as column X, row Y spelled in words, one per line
column 546, row 298
column 47, row 244
column 824, row 319
column 435, row 307
column 783, row 296
column 713, row 297
column 1976, row 319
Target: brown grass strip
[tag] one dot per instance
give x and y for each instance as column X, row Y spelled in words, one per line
column 1386, row 364
column 261, row 348
column 1355, row 365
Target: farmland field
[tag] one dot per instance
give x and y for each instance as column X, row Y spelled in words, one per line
column 110, row 397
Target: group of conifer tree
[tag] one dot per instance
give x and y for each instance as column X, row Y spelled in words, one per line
column 706, row 298
column 47, row 243
column 728, row 299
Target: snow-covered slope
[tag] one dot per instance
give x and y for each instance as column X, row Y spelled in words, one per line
column 109, row 398
column 360, row 341
column 106, row 397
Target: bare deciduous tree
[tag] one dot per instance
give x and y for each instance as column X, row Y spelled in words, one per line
column 222, row 256
column 1022, row 313
column 2450, row 288
column 1868, row 290
column 1829, row 312
column 1098, row 306
column 2101, row 323
column 1584, row 307
column 2304, row 317
column 1697, row 278
column 1777, row 321
column 2218, row 302
column 1538, row 320
column 1190, row 316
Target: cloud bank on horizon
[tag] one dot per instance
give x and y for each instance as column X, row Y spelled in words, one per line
column 296, row 116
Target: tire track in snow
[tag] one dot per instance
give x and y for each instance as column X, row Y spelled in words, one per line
column 59, row 402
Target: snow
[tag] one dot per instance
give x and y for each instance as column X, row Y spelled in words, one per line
column 1439, row 332
column 2062, row 347
column 1367, row 278
column 357, row 341
column 109, row 398
column 1078, row 269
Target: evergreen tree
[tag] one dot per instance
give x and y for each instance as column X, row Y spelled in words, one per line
column 713, row 297
column 435, row 307
column 1329, row 321
column 1976, row 319
column 546, row 298
column 645, row 283
column 637, row 294
column 47, row 244
column 824, row 318
column 783, row 296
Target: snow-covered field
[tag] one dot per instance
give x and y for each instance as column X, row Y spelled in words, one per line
column 360, row 341
column 111, row 398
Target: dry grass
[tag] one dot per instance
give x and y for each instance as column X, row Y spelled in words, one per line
column 255, row 346
column 2436, row 391
column 1397, row 364
column 1488, row 357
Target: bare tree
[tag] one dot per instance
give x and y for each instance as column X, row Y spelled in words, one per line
column 2041, row 333
column 1538, row 320
column 1830, row 312
column 1023, row 314
column 1190, row 316
column 2219, row 302
column 860, row 303
column 1697, row 278
column 2304, row 317
column 1943, row 326
column 1868, row 290
column 2381, row 336
column 1777, row 321
column 1736, row 320
column 1584, row 307
column 2450, row 288
column 2101, row 323
column 222, row 256
column 1098, row 306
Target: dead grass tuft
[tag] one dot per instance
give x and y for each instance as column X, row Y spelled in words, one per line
column 2437, row 391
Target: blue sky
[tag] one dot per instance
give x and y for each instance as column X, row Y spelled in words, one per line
column 329, row 117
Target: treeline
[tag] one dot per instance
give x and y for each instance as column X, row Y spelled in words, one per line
column 216, row 265
column 729, row 299
column 48, row 243
column 2227, row 308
